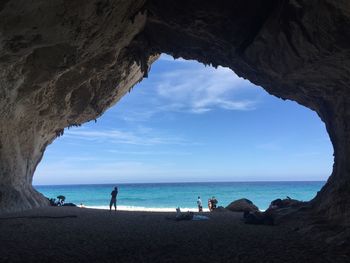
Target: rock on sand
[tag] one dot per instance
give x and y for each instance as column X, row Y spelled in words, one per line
column 242, row 205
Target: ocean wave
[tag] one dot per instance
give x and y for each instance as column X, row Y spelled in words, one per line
column 146, row 209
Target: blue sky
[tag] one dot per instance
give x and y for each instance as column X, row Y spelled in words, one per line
column 187, row 123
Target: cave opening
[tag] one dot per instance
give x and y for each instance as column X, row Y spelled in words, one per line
column 192, row 124
column 64, row 63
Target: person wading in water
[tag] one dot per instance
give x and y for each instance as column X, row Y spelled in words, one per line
column 113, row 199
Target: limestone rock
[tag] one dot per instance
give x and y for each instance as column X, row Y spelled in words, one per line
column 63, row 63
column 242, row 205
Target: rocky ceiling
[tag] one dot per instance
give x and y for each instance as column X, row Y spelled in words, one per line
column 64, row 62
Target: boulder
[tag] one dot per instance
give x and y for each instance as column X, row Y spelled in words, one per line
column 242, row 205
column 283, row 203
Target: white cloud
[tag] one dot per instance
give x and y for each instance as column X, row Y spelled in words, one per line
column 202, row 89
column 111, row 172
column 192, row 88
column 172, row 153
column 142, row 136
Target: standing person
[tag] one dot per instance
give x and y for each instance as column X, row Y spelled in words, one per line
column 199, row 203
column 210, row 206
column 113, row 199
column 214, row 202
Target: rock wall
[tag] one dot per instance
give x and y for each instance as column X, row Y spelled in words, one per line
column 297, row 50
column 63, row 63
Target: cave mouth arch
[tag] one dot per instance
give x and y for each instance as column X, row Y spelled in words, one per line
column 214, row 104
column 50, row 81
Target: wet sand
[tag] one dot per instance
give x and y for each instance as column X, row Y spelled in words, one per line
column 67, row 234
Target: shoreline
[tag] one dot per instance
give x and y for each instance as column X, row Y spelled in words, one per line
column 150, row 209
column 167, row 197
column 144, row 209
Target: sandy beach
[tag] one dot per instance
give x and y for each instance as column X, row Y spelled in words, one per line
column 68, row 234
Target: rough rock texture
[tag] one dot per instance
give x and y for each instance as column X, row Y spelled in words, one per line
column 285, row 203
column 64, row 62
column 242, row 205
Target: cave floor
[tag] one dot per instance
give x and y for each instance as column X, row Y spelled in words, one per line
column 67, row 234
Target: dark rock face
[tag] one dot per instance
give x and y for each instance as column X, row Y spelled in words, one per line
column 242, row 205
column 63, row 63
column 284, row 203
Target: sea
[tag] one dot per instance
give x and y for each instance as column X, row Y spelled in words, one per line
column 165, row 197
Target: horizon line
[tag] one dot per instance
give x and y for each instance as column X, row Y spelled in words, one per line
column 189, row 182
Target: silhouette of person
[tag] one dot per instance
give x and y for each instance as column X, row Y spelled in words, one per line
column 214, row 203
column 114, row 194
column 199, row 203
column 210, row 205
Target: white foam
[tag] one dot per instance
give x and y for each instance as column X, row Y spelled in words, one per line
column 146, row 209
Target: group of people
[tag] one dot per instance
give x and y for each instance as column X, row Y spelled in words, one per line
column 212, row 203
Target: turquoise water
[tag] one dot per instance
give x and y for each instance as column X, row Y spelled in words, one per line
column 184, row 195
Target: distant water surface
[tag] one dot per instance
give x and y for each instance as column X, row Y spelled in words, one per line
column 167, row 196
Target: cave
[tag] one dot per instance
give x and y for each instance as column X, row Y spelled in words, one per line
column 64, row 63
